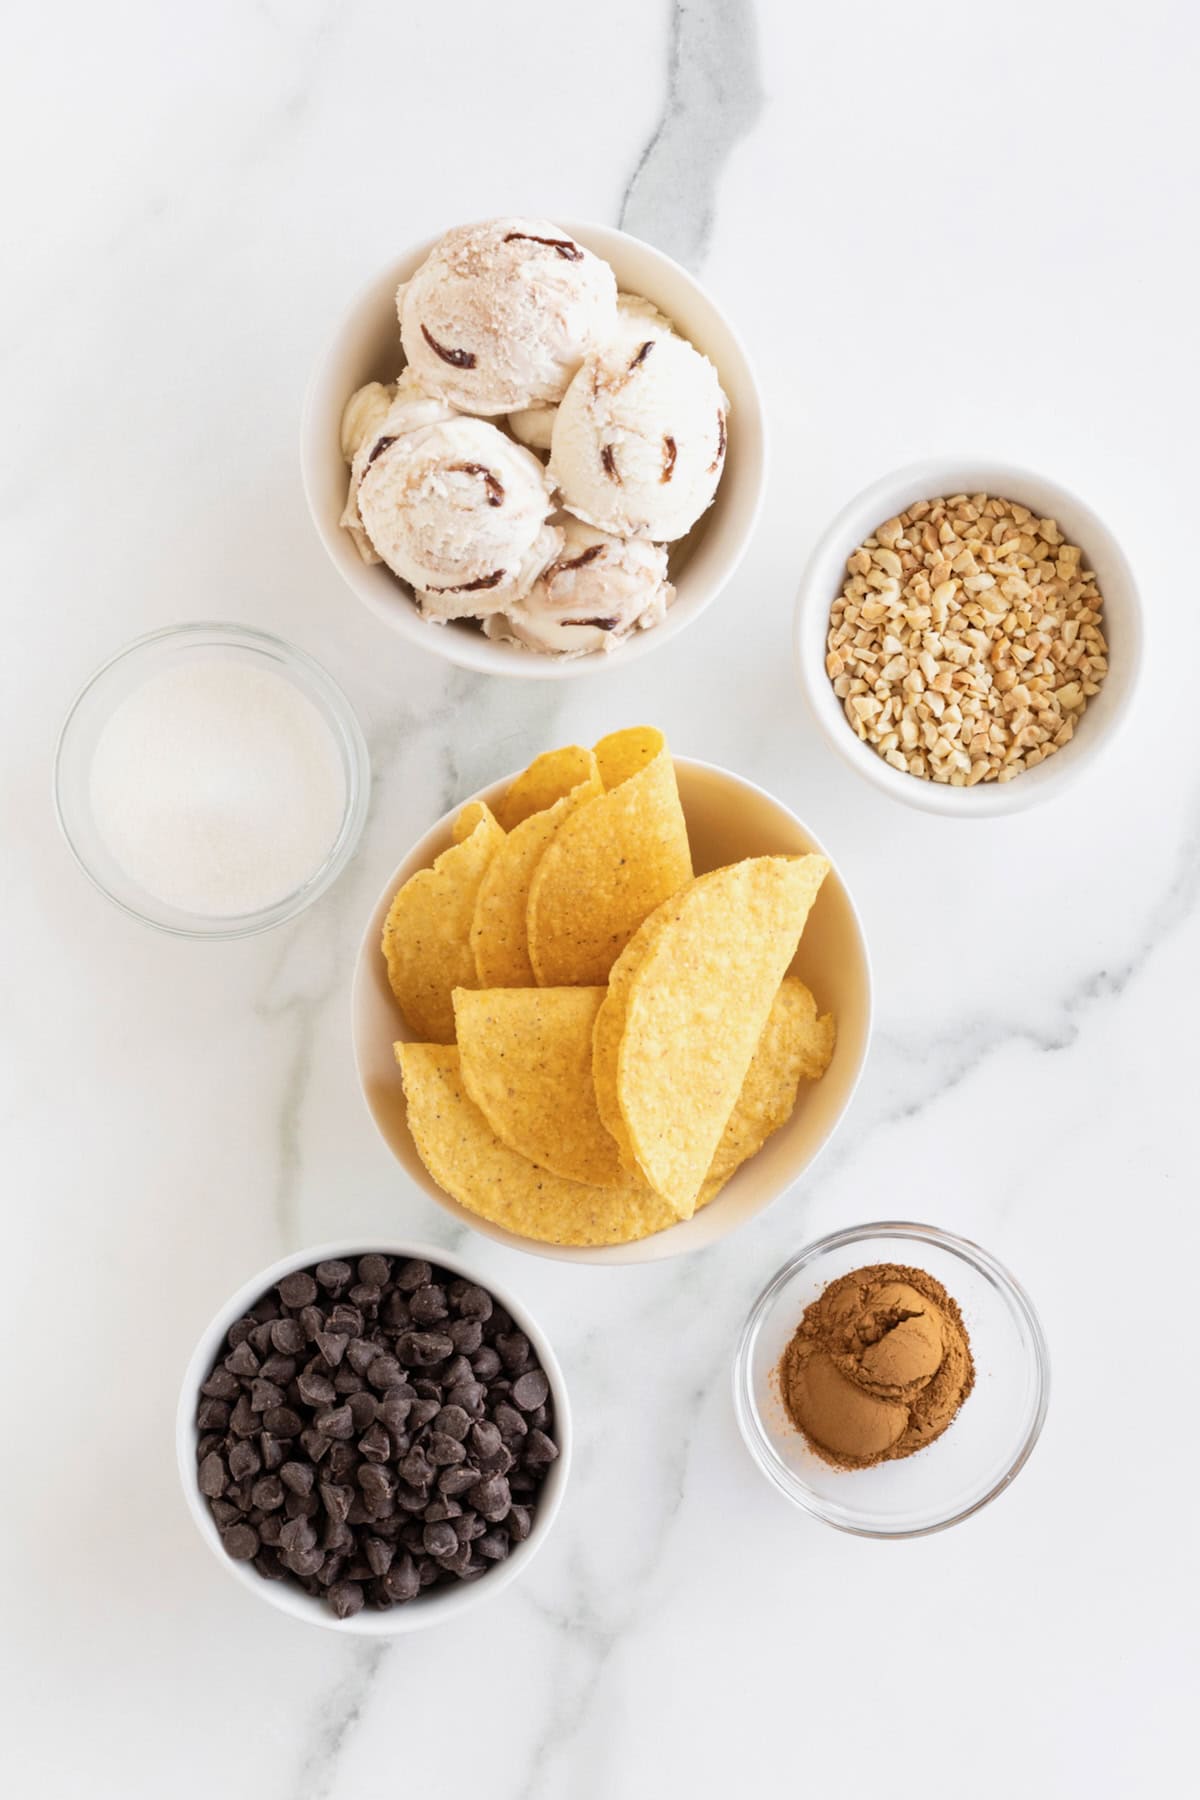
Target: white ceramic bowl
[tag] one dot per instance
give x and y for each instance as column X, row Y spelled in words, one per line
column 727, row 818
column 366, row 347
column 1122, row 619
column 438, row 1605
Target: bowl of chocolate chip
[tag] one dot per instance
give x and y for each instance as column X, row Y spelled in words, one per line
column 371, row 1439
column 891, row 1379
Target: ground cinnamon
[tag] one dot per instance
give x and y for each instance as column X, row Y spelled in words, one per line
column 878, row 1366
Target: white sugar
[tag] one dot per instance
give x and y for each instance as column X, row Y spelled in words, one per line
column 218, row 787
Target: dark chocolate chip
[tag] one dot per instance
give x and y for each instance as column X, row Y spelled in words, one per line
column 336, row 1500
column 444, row 1507
column 491, row 1497
column 282, row 1422
column 509, row 1422
column 332, row 1345
column 412, row 1275
column 268, row 1493
column 361, row 1353
column 334, row 1422
column 240, row 1542
column 242, row 1360
column 457, row 1479
column 333, row 1275
column 402, row 1581
column 315, row 1389
column 244, row 1460
column 363, row 1410
column 530, row 1390
column 516, row 1352
column 298, row 1289
column 375, row 1444
column 539, row 1449
column 519, row 1523
column 297, row 1534
column 297, row 1477
column 473, row 1302
column 379, row 1554
column 466, row 1335
column 287, row 1336
column 384, row 1372
column 221, row 1385
column 213, row 1477
column 468, row 1397
column 428, row 1304
column 441, row 1539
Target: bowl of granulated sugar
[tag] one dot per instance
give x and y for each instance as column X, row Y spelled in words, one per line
column 211, row 780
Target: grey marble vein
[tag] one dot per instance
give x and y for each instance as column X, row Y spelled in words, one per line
column 714, row 96
column 296, row 1003
column 336, row 1721
column 592, row 1623
column 924, row 1068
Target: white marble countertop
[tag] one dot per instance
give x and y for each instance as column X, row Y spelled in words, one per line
column 938, row 227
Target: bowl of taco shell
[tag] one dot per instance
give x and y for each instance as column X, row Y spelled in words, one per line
column 613, row 1005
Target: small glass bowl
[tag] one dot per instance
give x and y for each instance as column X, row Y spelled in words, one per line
column 975, row 1458
column 127, row 670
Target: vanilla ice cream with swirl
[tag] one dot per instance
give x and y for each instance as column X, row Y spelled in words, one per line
column 639, row 438
column 500, row 315
column 598, row 589
column 458, row 511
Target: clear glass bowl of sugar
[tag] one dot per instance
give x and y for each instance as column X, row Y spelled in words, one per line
column 211, row 780
column 980, row 1453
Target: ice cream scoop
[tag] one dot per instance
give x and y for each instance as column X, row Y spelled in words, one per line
column 460, row 512
column 637, row 320
column 639, row 438
column 596, row 591
column 373, row 417
column 500, row 315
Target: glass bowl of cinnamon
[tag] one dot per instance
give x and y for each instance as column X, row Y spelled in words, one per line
column 891, row 1379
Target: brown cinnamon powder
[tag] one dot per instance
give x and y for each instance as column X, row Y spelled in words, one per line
column 878, row 1366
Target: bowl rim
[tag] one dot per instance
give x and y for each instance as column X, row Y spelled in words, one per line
column 444, row 1604
column 930, row 476
column 609, row 1255
column 757, row 1440
column 485, row 656
column 340, row 717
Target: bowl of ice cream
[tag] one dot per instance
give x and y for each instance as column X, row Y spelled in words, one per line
column 891, row 1379
column 566, row 494
column 727, row 818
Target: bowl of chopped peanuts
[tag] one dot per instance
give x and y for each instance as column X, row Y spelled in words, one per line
column 968, row 635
